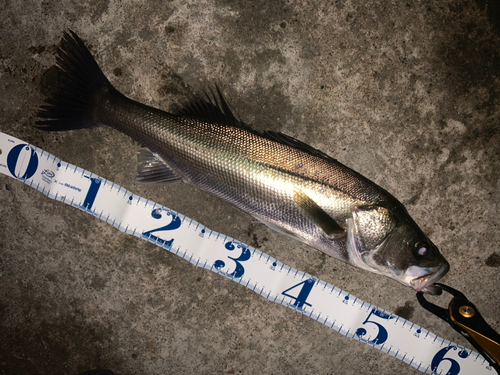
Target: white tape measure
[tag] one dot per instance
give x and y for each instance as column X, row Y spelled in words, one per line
column 243, row 264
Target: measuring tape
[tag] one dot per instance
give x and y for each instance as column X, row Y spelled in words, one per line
column 241, row 263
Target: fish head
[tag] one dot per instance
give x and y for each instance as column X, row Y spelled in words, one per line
column 386, row 240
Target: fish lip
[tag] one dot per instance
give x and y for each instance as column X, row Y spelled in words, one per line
column 425, row 283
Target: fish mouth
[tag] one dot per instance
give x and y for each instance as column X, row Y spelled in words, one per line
column 425, row 283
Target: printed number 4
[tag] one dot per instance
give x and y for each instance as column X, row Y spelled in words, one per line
column 300, row 300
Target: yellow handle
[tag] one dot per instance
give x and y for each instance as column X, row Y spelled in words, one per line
column 489, row 346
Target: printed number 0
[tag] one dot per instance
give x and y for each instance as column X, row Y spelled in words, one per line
column 26, row 167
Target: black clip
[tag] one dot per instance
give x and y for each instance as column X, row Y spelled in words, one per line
column 465, row 318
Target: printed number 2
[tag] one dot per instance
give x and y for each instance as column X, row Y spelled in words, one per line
column 306, row 288
column 382, row 334
column 174, row 224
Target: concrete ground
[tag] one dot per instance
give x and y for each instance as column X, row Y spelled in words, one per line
column 405, row 92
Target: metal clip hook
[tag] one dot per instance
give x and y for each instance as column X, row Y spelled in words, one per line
column 464, row 317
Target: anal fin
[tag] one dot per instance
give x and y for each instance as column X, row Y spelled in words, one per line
column 152, row 171
column 316, row 214
column 280, row 230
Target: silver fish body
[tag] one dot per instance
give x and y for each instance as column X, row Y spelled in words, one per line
column 280, row 181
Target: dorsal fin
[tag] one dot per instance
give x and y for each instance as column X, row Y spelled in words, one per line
column 295, row 143
column 211, row 107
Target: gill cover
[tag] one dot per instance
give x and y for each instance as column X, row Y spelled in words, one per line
column 387, row 241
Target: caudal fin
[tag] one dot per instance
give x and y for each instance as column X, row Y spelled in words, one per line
column 80, row 79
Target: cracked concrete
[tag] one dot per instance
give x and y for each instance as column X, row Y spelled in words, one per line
column 406, row 93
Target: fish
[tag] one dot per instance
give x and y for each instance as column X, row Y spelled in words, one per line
column 282, row 182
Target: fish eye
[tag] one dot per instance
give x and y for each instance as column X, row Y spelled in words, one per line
column 421, row 250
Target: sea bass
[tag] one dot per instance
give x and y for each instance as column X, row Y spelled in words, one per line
column 282, row 182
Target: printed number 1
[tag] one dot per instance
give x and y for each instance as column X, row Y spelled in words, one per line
column 95, row 184
column 301, row 298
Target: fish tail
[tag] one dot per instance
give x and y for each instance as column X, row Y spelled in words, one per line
column 80, row 81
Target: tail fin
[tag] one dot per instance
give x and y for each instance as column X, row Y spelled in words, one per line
column 80, row 79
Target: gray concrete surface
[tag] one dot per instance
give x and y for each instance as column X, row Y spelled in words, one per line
column 407, row 93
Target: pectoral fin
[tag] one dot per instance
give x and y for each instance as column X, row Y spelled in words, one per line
column 316, row 214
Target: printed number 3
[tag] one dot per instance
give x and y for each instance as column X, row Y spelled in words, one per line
column 239, row 269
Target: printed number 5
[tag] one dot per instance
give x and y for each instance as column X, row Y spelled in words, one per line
column 382, row 334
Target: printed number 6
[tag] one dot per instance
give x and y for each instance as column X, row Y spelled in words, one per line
column 454, row 366
column 382, row 332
